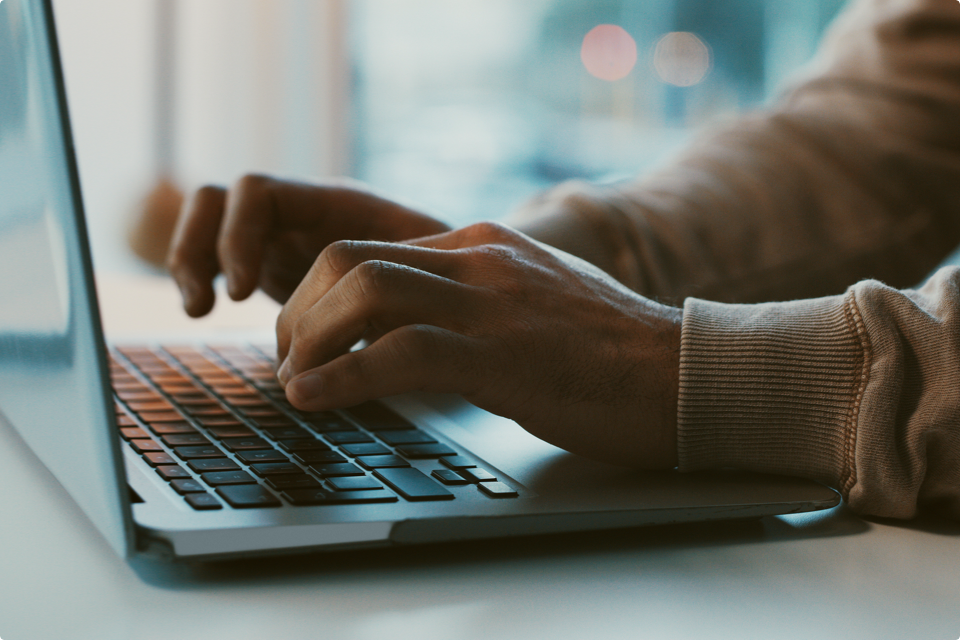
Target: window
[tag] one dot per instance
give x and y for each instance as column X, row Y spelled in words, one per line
column 467, row 107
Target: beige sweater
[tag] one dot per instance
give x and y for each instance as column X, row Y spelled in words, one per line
column 853, row 177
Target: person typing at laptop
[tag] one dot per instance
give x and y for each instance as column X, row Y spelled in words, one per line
column 788, row 239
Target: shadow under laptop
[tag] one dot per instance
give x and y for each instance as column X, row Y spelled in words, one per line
column 469, row 555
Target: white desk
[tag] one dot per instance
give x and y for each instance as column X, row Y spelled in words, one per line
column 828, row 575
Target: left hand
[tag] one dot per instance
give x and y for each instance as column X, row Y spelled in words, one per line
column 514, row 326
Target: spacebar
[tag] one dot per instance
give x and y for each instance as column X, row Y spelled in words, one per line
column 412, row 484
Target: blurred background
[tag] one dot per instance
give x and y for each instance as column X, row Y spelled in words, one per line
column 462, row 107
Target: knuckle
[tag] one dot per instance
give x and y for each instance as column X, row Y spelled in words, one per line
column 497, row 254
column 490, row 229
column 372, row 275
column 337, row 255
column 419, row 341
column 252, row 182
column 283, row 323
column 208, row 192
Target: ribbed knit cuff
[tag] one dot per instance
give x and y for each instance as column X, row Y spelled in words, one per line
column 772, row 388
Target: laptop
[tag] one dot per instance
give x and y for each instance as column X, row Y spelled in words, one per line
column 191, row 452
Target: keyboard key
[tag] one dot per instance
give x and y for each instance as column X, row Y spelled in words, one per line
column 126, row 421
column 248, row 496
column 204, row 451
column 133, row 433
column 325, row 422
column 497, row 490
column 158, row 458
column 251, row 403
column 139, row 396
column 212, row 413
column 415, row 451
column 303, row 481
column 457, row 462
column 182, row 439
column 234, row 431
column 185, row 486
column 275, row 423
column 269, row 455
column 377, row 417
column 128, row 383
column 172, row 472
column 220, row 421
column 196, row 400
column 161, row 416
column 477, row 475
column 217, row 478
column 213, row 464
column 145, row 446
column 167, row 376
column 140, row 407
column 312, row 457
column 169, row 428
column 307, row 497
column 394, row 438
column 288, row 433
column 232, row 389
column 449, row 477
column 303, row 445
column 276, row 469
column 261, row 413
column 347, row 437
column 245, row 444
column 336, row 470
column 412, row 484
column 382, row 462
column 175, row 389
column 203, row 502
column 361, row 483
column 365, row 449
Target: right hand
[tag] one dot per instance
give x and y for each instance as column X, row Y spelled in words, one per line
column 267, row 233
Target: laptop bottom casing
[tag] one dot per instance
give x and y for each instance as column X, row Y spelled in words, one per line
column 558, row 492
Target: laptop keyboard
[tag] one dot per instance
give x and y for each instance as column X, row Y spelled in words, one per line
column 215, row 424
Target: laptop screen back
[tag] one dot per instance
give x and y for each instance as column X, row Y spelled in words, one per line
column 53, row 386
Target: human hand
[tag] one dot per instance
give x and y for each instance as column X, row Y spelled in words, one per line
column 267, row 232
column 516, row 327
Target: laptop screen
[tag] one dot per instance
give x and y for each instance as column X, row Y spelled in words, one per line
column 53, row 386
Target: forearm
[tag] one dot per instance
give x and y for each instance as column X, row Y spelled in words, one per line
column 854, row 174
column 860, row 391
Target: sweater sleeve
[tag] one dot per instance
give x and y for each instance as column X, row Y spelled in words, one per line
column 853, row 174
column 860, row 391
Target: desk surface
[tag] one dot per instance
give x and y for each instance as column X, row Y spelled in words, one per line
column 827, row 575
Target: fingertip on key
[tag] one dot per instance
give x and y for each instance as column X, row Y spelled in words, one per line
column 306, row 388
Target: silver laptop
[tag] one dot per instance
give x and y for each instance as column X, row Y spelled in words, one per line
column 191, row 452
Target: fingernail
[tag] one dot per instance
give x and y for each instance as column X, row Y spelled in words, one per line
column 188, row 293
column 307, row 387
column 234, row 280
column 283, row 373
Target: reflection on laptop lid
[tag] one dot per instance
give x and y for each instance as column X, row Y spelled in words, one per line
column 217, row 461
column 53, row 386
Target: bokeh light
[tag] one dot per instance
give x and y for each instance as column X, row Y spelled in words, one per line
column 608, row 52
column 682, row 59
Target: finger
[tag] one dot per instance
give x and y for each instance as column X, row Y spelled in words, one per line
column 378, row 296
column 251, row 214
column 192, row 260
column 340, row 258
column 411, row 358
